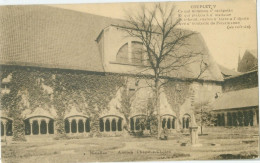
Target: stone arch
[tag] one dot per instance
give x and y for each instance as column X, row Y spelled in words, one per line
column 110, row 123
column 35, row 127
column 43, row 127
column 138, row 122
column 6, row 126
column 80, row 126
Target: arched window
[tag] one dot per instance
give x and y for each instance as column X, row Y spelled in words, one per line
column 73, row 126
column 51, row 126
column 101, row 125
column 2, row 129
column 186, row 121
column 119, row 124
column 163, row 122
column 88, row 125
column 67, row 126
column 107, row 125
column 173, row 123
column 113, row 125
column 43, row 127
column 169, row 123
column 122, row 55
column 80, row 126
column 132, row 124
column 35, row 127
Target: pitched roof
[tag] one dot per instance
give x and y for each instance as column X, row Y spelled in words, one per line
column 49, row 37
column 237, row 99
column 228, row 72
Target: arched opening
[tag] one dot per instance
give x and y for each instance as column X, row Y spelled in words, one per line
column 119, row 124
column 173, row 123
column 137, row 124
column 51, row 126
column 251, row 116
column 187, row 122
column 67, row 126
column 132, row 124
column 240, row 118
column 35, row 127
column 229, row 119
column 80, row 126
column 234, row 119
column 88, row 125
column 163, row 122
column 107, row 125
column 246, row 118
column 113, row 125
column 169, row 123
column 2, row 129
column 73, row 126
column 43, row 127
column 101, row 125
column 27, row 127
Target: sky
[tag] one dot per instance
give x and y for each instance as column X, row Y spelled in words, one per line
column 225, row 45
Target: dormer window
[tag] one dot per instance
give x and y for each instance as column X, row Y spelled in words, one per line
column 132, row 53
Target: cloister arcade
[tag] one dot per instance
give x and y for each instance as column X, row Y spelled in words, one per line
column 111, row 123
column 77, row 124
column 6, row 126
column 39, row 125
column 238, row 118
column 186, row 121
column 137, row 123
column 168, row 121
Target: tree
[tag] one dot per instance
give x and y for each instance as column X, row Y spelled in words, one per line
column 163, row 45
column 203, row 114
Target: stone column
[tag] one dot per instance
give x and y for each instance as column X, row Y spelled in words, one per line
column 47, row 126
column 84, row 125
column 110, row 124
column 255, row 118
column 4, row 127
column 116, row 125
column 134, row 122
column 39, row 128
column 70, row 126
column 31, row 128
column 104, row 122
column 225, row 119
column 77, row 125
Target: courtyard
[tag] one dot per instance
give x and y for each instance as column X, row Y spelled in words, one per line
column 216, row 143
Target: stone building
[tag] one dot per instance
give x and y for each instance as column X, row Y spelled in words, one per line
column 238, row 105
column 66, row 68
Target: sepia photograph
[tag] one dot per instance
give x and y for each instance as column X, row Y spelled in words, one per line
column 129, row 81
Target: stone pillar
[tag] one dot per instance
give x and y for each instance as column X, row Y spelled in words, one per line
column 110, row 124
column 134, row 122
column 4, row 127
column 77, row 125
column 116, row 124
column 70, row 126
column 194, row 135
column 84, row 125
column 31, row 128
column 225, row 119
column 39, row 128
column 255, row 118
column 47, row 126
column 104, row 121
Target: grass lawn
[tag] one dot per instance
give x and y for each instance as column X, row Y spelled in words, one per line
column 218, row 143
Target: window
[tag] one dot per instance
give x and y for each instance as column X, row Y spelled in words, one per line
column 137, row 52
column 133, row 55
column 122, row 55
